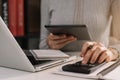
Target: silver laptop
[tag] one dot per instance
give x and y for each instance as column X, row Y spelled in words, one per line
column 12, row 56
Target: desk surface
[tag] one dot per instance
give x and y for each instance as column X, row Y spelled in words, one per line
column 12, row 74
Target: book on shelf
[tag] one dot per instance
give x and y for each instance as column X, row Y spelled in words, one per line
column 12, row 16
column 23, row 19
column 16, row 17
column 20, row 17
column 13, row 12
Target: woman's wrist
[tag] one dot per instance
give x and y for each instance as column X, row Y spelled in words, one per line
column 115, row 52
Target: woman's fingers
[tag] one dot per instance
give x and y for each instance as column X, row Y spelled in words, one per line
column 59, row 41
column 85, row 48
column 87, row 57
column 102, row 57
column 65, row 40
column 56, row 37
column 63, row 43
column 98, row 53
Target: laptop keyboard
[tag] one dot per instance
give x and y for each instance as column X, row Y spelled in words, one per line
column 33, row 60
column 78, row 67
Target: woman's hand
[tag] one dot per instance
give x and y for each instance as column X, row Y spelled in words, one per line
column 59, row 41
column 96, row 52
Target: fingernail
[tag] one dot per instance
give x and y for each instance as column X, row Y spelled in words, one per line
column 83, row 62
column 51, row 33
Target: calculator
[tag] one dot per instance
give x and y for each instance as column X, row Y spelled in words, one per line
column 78, row 67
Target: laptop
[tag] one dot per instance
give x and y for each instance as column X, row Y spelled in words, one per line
column 12, row 56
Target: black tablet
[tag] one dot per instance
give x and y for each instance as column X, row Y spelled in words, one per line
column 79, row 31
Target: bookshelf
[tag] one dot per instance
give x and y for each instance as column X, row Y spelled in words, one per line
column 29, row 38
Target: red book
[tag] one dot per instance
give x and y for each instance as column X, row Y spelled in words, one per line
column 12, row 20
column 20, row 17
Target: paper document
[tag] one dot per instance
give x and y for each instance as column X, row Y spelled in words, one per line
column 80, row 75
column 49, row 54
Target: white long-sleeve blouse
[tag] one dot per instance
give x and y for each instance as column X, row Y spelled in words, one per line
column 102, row 18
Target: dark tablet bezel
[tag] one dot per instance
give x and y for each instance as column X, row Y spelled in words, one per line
column 79, row 31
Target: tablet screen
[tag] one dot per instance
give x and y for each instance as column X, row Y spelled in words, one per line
column 78, row 31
